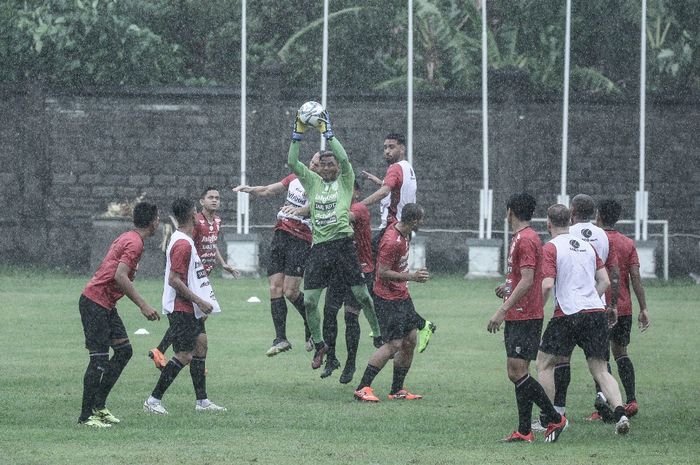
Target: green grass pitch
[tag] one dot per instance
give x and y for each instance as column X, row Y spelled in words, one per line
column 281, row 412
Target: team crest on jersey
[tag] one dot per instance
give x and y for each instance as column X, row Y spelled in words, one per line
column 574, row 243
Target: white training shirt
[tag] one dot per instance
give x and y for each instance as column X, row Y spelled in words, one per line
column 595, row 236
column 406, row 194
column 296, row 196
column 574, row 285
column 197, row 280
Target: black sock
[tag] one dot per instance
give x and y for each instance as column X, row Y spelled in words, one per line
column 91, row 382
column 626, row 371
column 562, row 378
column 330, row 328
column 619, row 412
column 199, row 381
column 166, row 341
column 122, row 355
column 524, row 403
column 370, row 373
column 278, row 308
column 534, row 392
column 167, row 376
column 399, row 377
column 352, row 337
column 299, row 305
column 420, row 321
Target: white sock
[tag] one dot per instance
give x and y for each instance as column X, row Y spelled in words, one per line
column 152, row 400
column 203, row 402
column 560, row 410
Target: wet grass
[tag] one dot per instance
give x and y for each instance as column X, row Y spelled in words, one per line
column 280, row 412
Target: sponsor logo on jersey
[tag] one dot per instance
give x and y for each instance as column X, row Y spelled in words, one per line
column 574, row 243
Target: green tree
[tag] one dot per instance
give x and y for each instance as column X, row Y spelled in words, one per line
column 78, row 43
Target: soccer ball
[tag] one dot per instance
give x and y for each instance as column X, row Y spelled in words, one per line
column 310, row 113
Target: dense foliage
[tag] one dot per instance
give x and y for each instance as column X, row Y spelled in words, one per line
column 113, row 42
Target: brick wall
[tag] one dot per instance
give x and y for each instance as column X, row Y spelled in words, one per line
column 64, row 157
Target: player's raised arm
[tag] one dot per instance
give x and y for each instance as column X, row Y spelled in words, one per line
column 262, row 191
column 295, row 165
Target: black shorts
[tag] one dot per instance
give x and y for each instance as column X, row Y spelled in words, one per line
column 397, row 318
column 337, row 297
column 100, row 325
column 333, row 263
column 522, row 338
column 287, row 254
column 620, row 333
column 184, row 330
column 589, row 331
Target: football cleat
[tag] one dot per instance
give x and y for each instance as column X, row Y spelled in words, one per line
column 403, row 394
column 622, row 426
column 278, row 346
column 158, row 358
column 208, row 406
column 332, row 364
column 517, row 436
column 94, row 422
column 317, row 361
column 366, row 394
column 603, row 408
column 554, row 430
column 631, row 409
column 595, row 416
column 105, row 416
column 154, row 407
column 424, row 336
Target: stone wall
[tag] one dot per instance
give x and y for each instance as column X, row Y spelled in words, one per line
column 64, row 157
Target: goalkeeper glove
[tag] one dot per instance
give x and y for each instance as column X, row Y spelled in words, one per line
column 298, row 129
column 324, row 125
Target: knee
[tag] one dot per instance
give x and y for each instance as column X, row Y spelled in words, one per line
column 542, row 362
column 202, row 346
column 515, row 371
column 124, row 352
column 184, row 358
column 275, row 290
column 291, row 293
column 276, row 286
column 408, row 344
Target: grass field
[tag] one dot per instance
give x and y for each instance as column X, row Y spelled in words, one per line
column 280, row 412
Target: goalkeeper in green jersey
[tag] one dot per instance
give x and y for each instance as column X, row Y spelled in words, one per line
column 333, row 256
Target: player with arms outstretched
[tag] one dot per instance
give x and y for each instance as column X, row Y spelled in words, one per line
column 333, row 258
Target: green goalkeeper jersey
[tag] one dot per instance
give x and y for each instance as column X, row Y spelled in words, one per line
column 329, row 201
